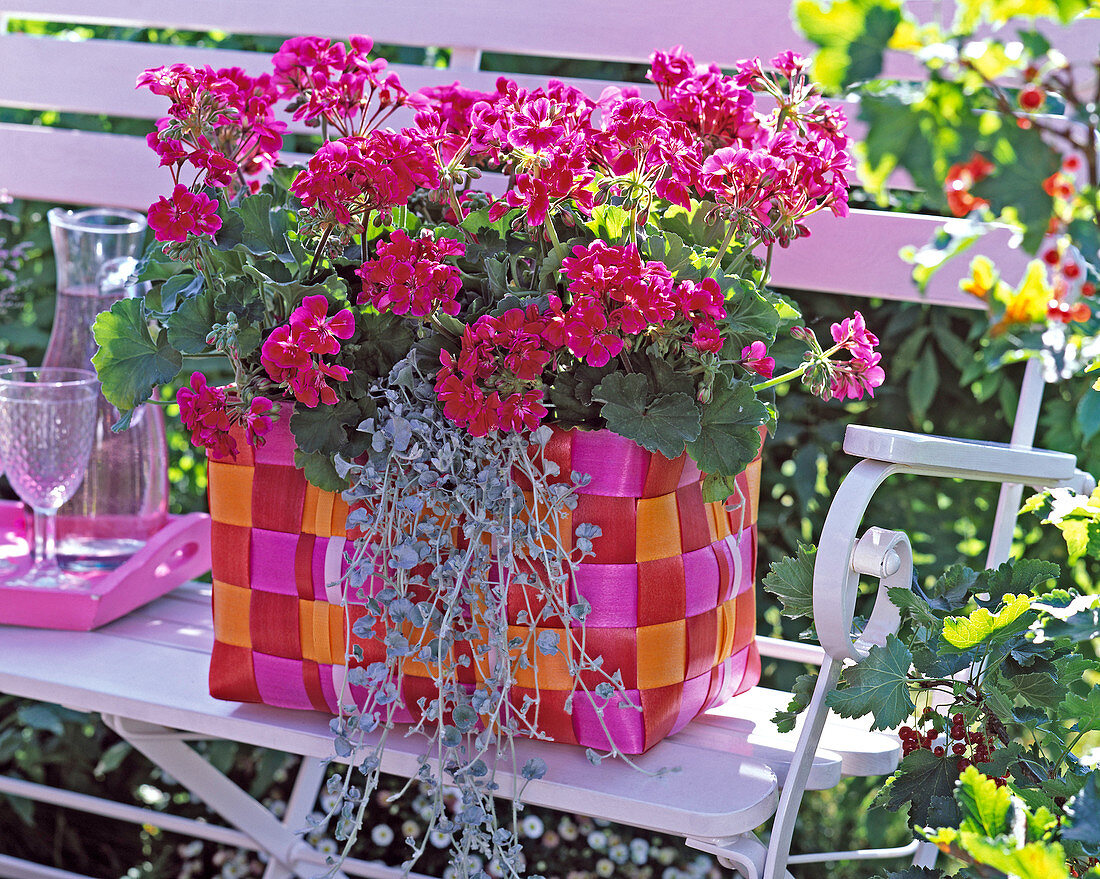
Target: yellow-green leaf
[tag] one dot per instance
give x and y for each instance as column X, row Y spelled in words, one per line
column 962, row 633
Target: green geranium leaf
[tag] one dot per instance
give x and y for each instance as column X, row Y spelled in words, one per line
column 189, row 325
column 729, row 436
column 660, row 424
column 609, row 222
column 963, row 633
column 242, row 297
column 130, row 363
column 791, row 580
column 852, row 34
column 321, row 429
column 319, row 470
column 1083, row 812
column 879, row 685
column 569, row 410
column 1021, row 577
column 985, row 806
column 382, row 340
column 1083, row 711
column 263, row 226
column 919, row 778
column 749, row 316
column 669, row 248
column 179, row 288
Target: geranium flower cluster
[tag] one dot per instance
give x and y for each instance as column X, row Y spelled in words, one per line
column 209, row 413
column 704, row 137
column 337, row 83
column 781, row 167
column 236, row 109
column 496, row 382
column 408, row 276
column 350, row 178
column 859, row 375
column 293, row 354
column 616, row 295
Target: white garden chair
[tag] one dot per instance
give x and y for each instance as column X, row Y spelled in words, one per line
column 146, row 673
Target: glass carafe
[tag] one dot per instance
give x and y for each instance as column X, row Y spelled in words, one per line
column 124, row 497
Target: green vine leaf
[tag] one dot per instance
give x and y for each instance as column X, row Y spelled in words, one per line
column 1021, row 577
column 1083, row 812
column 985, row 806
column 852, row 34
column 1084, row 711
column 130, row 363
column 664, row 423
column 981, row 626
column 791, row 580
column 879, row 685
column 802, row 692
column 920, row 778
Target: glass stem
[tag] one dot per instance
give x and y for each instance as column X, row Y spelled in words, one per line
column 45, row 538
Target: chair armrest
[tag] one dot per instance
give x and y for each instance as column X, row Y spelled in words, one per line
column 966, row 459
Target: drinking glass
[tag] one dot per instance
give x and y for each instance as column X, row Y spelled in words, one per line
column 8, row 360
column 47, row 424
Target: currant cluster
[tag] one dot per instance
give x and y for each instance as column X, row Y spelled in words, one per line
column 968, row 745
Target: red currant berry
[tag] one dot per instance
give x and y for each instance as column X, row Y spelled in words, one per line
column 957, row 718
column 1088, row 289
column 1051, row 257
column 958, row 749
column 1071, row 270
column 938, row 751
column 1031, row 98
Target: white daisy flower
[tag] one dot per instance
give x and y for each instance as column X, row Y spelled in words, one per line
column 326, row 846
column 597, row 840
column 381, row 834
column 410, row 828
column 532, row 827
column 619, row 853
column 439, row 839
column 604, row 868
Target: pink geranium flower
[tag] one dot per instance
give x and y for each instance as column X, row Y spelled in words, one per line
column 317, row 333
column 185, row 213
column 755, row 357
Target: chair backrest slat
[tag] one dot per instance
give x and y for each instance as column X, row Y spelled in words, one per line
column 96, row 77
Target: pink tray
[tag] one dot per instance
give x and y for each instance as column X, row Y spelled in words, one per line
column 180, row 551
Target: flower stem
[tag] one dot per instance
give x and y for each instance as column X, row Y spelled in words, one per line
column 721, row 251
column 548, row 224
column 317, row 255
column 797, row 372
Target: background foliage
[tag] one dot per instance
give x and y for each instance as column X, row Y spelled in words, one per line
column 925, row 351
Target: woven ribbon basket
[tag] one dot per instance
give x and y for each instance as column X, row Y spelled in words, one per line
column 670, row 585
